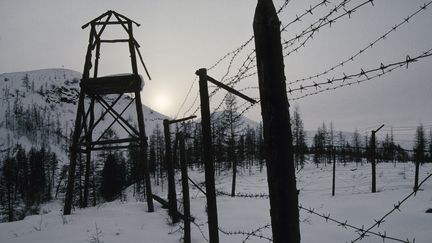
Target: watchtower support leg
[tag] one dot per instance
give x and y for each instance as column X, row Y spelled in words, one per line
column 88, row 154
column 73, row 156
column 143, row 151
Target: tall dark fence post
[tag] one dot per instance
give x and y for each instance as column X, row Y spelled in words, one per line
column 208, row 157
column 373, row 162
column 373, row 158
column 416, row 178
column 143, row 152
column 334, row 172
column 172, row 200
column 278, row 148
column 185, row 187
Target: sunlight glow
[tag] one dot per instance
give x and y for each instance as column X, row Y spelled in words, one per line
column 162, row 103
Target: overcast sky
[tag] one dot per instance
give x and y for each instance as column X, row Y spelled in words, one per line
column 179, row 36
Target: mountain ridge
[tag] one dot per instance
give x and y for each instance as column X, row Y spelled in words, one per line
column 39, row 109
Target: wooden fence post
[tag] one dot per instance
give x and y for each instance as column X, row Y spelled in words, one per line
column 185, row 188
column 208, row 157
column 172, row 199
column 334, row 172
column 373, row 159
column 416, row 177
column 278, row 148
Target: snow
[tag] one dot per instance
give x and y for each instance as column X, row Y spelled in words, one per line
column 129, row 221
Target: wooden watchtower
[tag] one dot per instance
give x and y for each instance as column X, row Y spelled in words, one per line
column 94, row 91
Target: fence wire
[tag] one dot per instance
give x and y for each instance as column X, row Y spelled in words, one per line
column 365, row 48
column 377, row 72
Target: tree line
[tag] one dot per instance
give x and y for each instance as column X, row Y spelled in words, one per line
column 327, row 143
column 28, row 178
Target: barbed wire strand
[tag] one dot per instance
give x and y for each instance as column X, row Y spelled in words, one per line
column 241, row 73
column 187, row 96
column 385, row 69
column 396, row 207
column 307, row 12
column 345, row 224
column 313, row 29
column 364, row 49
column 253, row 233
column 234, row 53
column 298, row 37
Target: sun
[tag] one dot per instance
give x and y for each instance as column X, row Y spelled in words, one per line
column 162, row 103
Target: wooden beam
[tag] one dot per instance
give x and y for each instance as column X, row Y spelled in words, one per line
column 115, row 147
column 116, row 114
column 141, row 59
column 126, row 18
column 114, row 141
column 231, row 90
column 182, row 119
column 103, row 114
column 114, row 41
column 103, row 27
column 143, row 152
column 165, row 204
column 115, row 121
column 96, row 19
column 111, row 23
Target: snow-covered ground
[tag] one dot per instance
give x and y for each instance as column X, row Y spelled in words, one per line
column 128, row 221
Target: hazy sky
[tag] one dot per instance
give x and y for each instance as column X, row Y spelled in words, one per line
column 179, row 36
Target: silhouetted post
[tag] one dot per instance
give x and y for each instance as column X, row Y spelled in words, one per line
column 334, row 172
column 416, row 178
column 208, row 157
column 278, row 148
column 143, row 152
column 140, row 116
column 172, row 199
column 77, row 129
column 185, row 188
column 373, row 162
column 88, row 155
column 373, row 155
column 73, row 158
column 233, row 185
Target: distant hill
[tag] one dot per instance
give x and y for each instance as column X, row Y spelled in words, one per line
column 39, row 108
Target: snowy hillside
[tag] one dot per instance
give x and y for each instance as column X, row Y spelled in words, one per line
column 128, row 221
column 39, row 108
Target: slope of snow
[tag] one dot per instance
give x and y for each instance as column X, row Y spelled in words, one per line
column 128, row 221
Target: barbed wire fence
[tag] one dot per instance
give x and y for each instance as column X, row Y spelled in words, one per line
column 240, row 75
column 377, row 72
column 361, row 231
column 246, row 69
column 373, row 43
